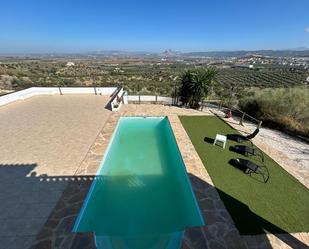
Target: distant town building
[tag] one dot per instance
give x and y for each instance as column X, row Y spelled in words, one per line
column 117, row 69
column 70, row 64
column 243, row 66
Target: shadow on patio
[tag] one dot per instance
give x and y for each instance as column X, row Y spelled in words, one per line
column 26, row 201
column 55, row 202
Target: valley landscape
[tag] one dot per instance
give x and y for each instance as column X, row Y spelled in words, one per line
column 241, row 74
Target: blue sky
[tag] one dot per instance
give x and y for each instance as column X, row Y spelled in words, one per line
column 152, row 25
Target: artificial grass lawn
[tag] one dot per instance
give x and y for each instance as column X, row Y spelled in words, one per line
column 278, row 206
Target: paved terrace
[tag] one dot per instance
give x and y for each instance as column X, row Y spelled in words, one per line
column 220, row 231
column 41, row 136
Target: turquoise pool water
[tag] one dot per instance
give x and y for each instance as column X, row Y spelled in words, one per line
column 141, row 197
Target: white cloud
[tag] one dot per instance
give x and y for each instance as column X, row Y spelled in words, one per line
column 307, row 29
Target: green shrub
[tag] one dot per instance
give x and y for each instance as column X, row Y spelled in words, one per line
column 285, row 107
column 195, row 85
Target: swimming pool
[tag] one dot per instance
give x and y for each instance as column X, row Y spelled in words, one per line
column 141, row 197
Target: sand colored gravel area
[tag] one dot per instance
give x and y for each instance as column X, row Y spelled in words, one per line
column 54, row 132
column 43, row 136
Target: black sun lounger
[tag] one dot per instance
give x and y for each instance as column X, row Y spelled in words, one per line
column 247, row 151
column 249, row 167
column 241, row 138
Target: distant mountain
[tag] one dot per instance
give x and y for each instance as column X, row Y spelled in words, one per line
column 119, row 53
column 299, row 48
column 169, row 53
column 296, row 52
column 243, row 53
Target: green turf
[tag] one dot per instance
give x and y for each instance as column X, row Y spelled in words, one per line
column 278, row 206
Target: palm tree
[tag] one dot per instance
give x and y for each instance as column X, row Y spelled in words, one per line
column 196, row 85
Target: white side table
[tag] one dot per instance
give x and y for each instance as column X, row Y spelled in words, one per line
column 221, row 139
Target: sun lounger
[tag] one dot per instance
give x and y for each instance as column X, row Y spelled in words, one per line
column 247, row 151
column 249, row 167
column 241, row 138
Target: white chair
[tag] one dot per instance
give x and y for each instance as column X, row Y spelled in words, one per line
column 221, row 139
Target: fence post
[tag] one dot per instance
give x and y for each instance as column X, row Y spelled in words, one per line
column 139, row 96
column 202, row 106
column 175, row 95
column 259, row 125
column 156, row 99
column 95, row 91
column 242, row 119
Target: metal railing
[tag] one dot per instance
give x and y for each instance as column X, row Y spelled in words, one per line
column 237, row 114
column 152, row 99
column 217, row 104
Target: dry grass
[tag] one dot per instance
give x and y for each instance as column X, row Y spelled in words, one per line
column 285, row 108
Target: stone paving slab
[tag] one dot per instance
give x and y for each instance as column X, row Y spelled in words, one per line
column 19, row 242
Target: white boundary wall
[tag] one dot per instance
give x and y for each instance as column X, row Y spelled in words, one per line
column 34, row 91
